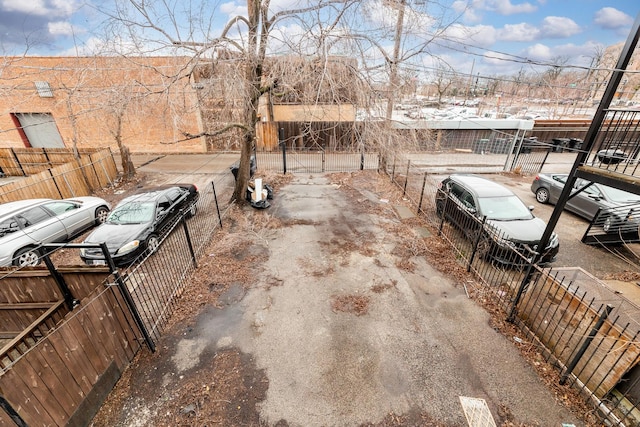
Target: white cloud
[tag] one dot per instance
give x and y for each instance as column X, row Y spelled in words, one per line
column 540, row 52
column 233, row 9
column 501, row 7
column 40, row 7
column 519, row 33
column 559, row 27
column 63, row 28
column 482, row 35
column 505, row 7
column 578, row 55
column 611, row 18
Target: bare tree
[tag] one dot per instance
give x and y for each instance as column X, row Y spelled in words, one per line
column 443, row 79
column 326, row 29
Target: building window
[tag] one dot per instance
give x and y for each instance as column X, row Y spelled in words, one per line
column 44, row 90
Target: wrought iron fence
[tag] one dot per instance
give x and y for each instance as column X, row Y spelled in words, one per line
column 315, row 160
column 158, row 278
column 587, row 331
column 617, row 147
column 614, row 225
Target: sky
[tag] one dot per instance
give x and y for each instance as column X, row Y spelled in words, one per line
column 497, row 35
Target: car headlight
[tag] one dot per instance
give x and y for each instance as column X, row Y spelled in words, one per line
column 82, row 251
column 128, row 247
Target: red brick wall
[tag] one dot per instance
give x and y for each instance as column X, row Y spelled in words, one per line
column 154, row 94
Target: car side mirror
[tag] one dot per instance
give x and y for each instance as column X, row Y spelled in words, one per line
column 531, row 208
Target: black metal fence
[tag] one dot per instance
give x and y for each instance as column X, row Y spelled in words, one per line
column 315, row 160
column 617, row 146
column 156, row 280
column 589, row 332
column 614, row 225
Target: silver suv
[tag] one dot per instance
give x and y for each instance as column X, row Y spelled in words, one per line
column 27, row 224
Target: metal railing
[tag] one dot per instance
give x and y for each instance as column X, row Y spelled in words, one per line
column 614, row 225
column 315, row 160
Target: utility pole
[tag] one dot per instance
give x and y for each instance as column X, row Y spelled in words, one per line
column 393, row 83
column 393, row 67
column 466, row 95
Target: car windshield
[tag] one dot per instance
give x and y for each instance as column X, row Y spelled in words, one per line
column 619, row 196
column 132, row 213
column 505, row 208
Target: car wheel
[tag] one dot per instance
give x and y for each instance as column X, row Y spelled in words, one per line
column 483, row 246
column 26, row 257
column 440, row 207
column 193, row 209
column 153, row 242
column 542, row 195
column 101, row 215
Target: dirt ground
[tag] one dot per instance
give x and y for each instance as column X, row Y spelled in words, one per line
column 327, row 309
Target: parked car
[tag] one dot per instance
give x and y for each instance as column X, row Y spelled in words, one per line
column 27, row 224
column 494, row 216
column 587, row 203
column 139, row 222
column 611, row 156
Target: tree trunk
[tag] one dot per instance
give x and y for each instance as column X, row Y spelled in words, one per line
column 128, row 169
column 253, row 76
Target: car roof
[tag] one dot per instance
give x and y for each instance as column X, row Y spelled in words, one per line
column 480, row 186
column 148, row 194
column 11, row 207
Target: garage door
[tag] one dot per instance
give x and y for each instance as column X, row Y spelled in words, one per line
column 40, row 129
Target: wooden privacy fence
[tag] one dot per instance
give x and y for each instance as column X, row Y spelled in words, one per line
column 78, row 177
column 30, row 161
column 561, row 318
column 61, row 374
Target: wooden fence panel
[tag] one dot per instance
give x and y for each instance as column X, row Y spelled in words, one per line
column 34, row 286
column 562, row 321
column 22, row 399
column 59, row 156
column 607, row 360
column 70, row 180
column 5, row 420
column 51, row 382
column 9, row 163
column 36, row 186
column 89, row 173
column 77, row 178
column 32, row 160
column 105, row 167
column 267, row 136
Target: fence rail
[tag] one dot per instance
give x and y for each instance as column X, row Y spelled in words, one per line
column 315, row 160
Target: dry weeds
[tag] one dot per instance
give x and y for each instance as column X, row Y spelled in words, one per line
column 351, row 303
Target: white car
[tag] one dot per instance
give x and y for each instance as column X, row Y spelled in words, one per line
column 27, row 224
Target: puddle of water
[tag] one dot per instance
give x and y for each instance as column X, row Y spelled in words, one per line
column 218, row 326
column 231, row 296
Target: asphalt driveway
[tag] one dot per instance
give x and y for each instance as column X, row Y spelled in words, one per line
column 340, row 325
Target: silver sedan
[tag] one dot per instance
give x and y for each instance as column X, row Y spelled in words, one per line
column 593, row 198
column 27, row 224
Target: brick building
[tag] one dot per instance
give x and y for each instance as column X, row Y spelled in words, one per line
column 89, row 101
column 164, row 104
